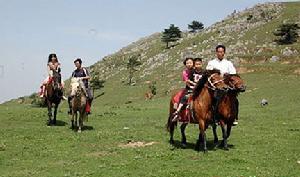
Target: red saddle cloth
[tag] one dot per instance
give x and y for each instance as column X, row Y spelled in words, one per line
column 88, row 107
column 184, row 114
column 50, row 80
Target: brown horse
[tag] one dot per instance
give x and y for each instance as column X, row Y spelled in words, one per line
column 53, row 96
column 202, row 96
column 228, row 106
column 203, row 99
column 78, row 103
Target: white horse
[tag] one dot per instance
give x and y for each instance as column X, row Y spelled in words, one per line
column 78, row 102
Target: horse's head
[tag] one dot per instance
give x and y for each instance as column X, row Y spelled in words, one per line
column 235, row 82
column 78, row 92
column 77, row 87
column 216, row 81
column 56, row 80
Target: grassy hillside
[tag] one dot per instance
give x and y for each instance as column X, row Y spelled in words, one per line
column 250, row 46
column 265, row 143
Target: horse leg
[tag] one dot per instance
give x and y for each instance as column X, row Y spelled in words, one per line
column 204, row 142
column 76, row 117
column 224, row 132
column 72, row 120
column 172, row 128
column 199, row 141
column 228, row 130
column 183, row 137
column 202, row 137
column 80, row 122
column 216, row 140
column 237, row 109
column 49, row 113
column 55, row 113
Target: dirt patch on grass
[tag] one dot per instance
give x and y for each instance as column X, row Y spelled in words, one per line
column 286, row 62
column 135, row 144
column 297, row 71
column 99, row 154
column 242, row 70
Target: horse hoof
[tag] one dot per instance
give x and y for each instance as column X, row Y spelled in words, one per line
column 183, row 145
column 171, row 141
column 226, row 148
column 221, row 145
column 48, row 123
column 79, row 131
column 216, row 141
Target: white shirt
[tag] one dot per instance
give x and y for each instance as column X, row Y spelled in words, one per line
column 225, row 66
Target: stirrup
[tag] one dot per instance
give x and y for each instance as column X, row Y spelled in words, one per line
column 175, row 116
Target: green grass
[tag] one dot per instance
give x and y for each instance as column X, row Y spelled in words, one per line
column 266, row 142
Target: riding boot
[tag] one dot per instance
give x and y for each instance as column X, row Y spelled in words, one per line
column 237, row 113
column 215, row 117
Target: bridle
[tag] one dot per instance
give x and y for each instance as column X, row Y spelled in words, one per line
column 212, row 84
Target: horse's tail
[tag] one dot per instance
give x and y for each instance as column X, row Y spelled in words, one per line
column 169, row 122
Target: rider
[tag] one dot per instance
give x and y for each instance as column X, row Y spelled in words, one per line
column 189, row 63
column 52, row 66
column 225, row 66
column 82, row 73
column 197, row 72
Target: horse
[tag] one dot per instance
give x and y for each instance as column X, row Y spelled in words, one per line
column 78, row 103
column 210, row 81
column 184, row 115
column 227, row 108
column 53, row 95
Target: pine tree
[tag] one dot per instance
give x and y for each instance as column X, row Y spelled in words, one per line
column 96, row 82
column 287, row 33
column 131, row 66
column 172, row 34
column 195, row 26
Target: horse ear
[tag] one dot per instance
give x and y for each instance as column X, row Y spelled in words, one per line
column 227, row 76
column 207, row 72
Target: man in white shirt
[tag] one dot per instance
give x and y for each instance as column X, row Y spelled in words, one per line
column 225, row 66
column 221, row 63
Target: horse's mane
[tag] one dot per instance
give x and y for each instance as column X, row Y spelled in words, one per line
column 210, row 72
column 202, row 81
column 75, row 82
column 237, row 75
column 200, row 85
column 227, row 76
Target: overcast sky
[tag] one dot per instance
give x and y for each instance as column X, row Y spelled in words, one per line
column 89, row 29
